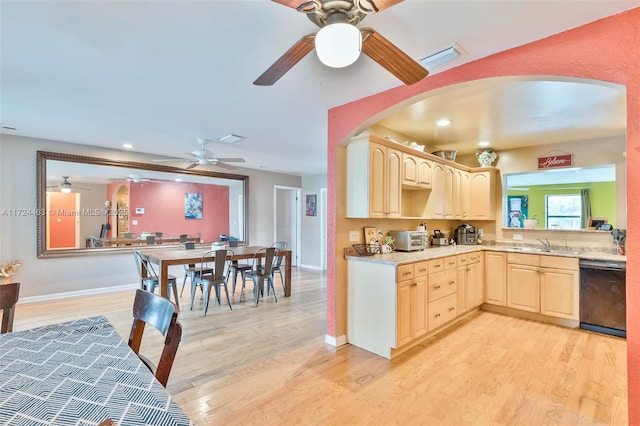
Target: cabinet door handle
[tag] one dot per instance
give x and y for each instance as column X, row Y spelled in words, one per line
column 414, row 285
column 452, row 282
column 437, row 266
column 452, row 309
column 436, row 316
column 436, row 287
column 406, row 273
column 422, row 269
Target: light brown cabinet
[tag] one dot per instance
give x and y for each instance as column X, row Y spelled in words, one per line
column 482, row 195
column 495, row 278
column 412, row 300
column 475, row 280
column 416, row 171
column 374, row 180
column 543, row 284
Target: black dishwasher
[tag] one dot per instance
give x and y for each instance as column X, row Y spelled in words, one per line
column 603, row 297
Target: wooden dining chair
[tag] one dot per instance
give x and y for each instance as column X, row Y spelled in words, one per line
column 149, row 279
column 107, row 422
column 216, row 280
column 259, row 273
column 161, row 313
column 8, row 298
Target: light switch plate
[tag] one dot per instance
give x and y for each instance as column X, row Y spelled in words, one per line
column 517, row 237
column 354, row 236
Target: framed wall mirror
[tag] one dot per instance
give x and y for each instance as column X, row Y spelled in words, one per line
column 556, row 199
column 89, row 205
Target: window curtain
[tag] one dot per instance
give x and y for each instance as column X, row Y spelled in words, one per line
column 585, row 197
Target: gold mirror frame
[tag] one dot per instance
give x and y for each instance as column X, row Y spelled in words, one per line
column 41, row 204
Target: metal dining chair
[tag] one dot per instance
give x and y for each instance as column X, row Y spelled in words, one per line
column 281, row 246
column 216, row 280
column 191, row 269
column 259, row 273
column 151, row 280
column 9, row 294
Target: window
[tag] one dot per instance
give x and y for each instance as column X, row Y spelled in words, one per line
column 563, row 211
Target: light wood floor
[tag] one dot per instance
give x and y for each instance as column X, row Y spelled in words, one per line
column 270, row 366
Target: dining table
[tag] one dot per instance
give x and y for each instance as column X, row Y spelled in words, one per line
column 79, row 372
column 180, row 256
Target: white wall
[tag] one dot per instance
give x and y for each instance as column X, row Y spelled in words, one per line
column 311, row 224
column 69, row 274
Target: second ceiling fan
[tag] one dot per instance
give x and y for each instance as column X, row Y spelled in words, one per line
column 337, row 20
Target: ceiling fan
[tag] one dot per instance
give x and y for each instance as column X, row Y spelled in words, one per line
column 203, row 156
column 66, row 186
column 337, row 20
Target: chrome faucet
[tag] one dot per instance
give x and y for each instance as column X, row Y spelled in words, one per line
column 546, row 244
column 566, row 246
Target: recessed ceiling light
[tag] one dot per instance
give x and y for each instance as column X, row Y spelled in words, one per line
column 444, row 122
column 230, row 138
column 127, row 145
column 484, row 143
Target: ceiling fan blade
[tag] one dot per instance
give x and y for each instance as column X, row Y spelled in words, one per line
column 377, row 5
column 295, row 4
column 192, row 165
column 230, row 160
column 391, row 58
column 224, row 165
column 287, row 61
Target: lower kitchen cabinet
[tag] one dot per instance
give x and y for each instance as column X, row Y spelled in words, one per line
column 411, row 309
column 543, row 284
column 495, row 264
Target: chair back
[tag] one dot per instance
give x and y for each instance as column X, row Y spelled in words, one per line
column 270, row 254
column 281, row 246
column 128, row 235
column 183, row 238
column 222, row 262
column 8, row 298
column 150, row 240
column 189, row 245
column 162, row 314
column 158, row 234
column 143, row 262
column 95, row 241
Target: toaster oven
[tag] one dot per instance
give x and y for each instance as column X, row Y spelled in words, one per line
column 409, row 240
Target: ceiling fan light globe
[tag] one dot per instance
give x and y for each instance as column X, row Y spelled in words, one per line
column 65, row 189
column 338, row 45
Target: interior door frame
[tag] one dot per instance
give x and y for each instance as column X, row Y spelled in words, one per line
column 297, row 228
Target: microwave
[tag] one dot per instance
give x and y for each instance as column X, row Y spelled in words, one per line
column 409, row 240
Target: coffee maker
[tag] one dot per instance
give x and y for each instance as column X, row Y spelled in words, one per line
column 466, row 234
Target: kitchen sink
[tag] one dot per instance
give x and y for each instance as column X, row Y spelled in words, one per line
column 565, row 252
column 543, row 250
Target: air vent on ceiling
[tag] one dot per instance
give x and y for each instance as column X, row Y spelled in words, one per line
column 230, row 138
column 442, row 56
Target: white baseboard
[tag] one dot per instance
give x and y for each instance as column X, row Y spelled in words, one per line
column 86, row 292
column 335, row 341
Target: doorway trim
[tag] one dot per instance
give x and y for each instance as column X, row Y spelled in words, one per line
column 297, row 256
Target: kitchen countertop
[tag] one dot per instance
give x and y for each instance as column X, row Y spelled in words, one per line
column 400, row 258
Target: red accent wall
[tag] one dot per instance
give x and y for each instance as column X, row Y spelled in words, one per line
column 62, row 227
column 606, row 50
column 163, row 205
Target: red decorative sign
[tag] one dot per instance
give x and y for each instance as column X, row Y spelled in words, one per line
column 555, row 161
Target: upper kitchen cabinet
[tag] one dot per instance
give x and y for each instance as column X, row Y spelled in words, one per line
column 482, row 193
column 374, row 180
column 416, row 171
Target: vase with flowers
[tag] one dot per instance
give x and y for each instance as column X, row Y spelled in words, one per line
column 486, row 157
column 8, row 270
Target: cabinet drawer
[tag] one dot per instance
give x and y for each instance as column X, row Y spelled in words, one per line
column 474, row 257
column 404, row 272
column 442, row 284
column 524, row 259
column 442, row 311
column 450, row 262
column 420, row 269
column 559, row 262
column 436, row 265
